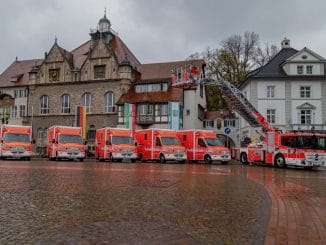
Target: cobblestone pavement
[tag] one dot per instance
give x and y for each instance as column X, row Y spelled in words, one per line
column 45, row 202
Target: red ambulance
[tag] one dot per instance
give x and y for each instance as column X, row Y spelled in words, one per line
column 202, row 145
column 115, row 144
column 159, row 144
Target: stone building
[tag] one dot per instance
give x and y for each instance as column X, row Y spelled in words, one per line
column 103, row 75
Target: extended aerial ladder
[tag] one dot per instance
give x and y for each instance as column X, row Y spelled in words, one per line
column 234, row 98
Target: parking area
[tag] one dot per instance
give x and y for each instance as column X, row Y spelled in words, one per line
column 46, row 202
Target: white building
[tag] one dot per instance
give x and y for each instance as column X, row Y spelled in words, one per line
column 289, row 91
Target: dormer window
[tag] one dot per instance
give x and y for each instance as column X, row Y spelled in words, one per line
column 99, row 71
column 300, row 70
column 309, row 70
column 154, row 87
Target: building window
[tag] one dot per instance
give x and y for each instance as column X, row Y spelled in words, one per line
column 305, row 92
column 14, row 112
column 87, row 102
column 109, row 102
column 121, row 112
column 270, row 91
column 99, row 71
column 209, row 124
column 309, row 70
column 305, row 116
column 300, row 70
column 65, row 104
column 271, row 115
column 22, row 111
column 44, row 104
column 54, row 75
column 154, row 87
column 145, row 109
column 161, row 112
column 91, row 133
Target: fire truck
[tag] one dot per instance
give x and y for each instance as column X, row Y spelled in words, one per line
column 65, row 143
column 159, row 145
column 115, row 144
column 277, row 148
column 16, row 142
column 202, row 145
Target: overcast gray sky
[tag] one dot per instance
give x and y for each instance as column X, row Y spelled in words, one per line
column 157, row 30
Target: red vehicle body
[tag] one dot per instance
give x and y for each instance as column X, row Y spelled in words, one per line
column 115, row 144
column 16, row 142
column 202, row 145
column 65, row 143
column 160, row 145
column 279, row 149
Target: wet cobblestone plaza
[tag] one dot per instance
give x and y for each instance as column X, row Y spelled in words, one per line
column 43, row 202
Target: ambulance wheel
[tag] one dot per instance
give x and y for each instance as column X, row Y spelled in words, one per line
column 81, row 159
column 279, row 161
column 162, row 158
column 243, row 158
column 208, row 159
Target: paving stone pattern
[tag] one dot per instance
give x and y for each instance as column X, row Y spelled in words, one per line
column 103, row 203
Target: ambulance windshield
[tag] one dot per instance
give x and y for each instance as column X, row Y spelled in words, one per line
column 170, row 141
column 70, row 138
column 122, row 140
column 213, row 142
column 17, row 138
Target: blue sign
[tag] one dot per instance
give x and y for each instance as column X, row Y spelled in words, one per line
column 227, row 130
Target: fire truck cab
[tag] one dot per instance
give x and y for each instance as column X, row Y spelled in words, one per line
column 115, row 144
column 279, row 149
column 203, row 145
column 65, row 143
column 160, row 145
column 16, row 142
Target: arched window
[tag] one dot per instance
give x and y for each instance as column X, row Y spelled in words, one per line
column 87, row 102
column 65, row 104
column 44, row 104
column 109, row 102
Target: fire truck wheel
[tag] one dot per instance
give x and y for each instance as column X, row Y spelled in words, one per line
column 162, row 158
column 243, row 158
column 208, row 159
column 279, row 161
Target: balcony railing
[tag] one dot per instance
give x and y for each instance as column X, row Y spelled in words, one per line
column 145, row 119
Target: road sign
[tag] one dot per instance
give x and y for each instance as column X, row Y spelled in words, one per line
column 227, row 130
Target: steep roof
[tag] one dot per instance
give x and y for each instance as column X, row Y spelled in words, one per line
column 122, row 51
column 156, row 71
column 273, row 67
column 17, row 74
column 172, row 94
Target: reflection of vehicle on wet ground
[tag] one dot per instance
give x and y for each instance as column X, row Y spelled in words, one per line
column 202, row 145
column 65, row 143
column 160, row 145
column 115, row 144
column 16, row 142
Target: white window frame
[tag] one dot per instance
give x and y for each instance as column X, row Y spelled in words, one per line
column 305, row 92
column 270, row 92
column 300, row 69
column 309, row 69
column 22, row 110
column 87, row 102
column 109, row 102
column 65, row 104
column 305, row 116
column 271, row 115
column 44, row 100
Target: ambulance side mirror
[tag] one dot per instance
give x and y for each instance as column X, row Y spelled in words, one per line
column 107, row 142
column 136, row 143
column 33, row 142
column 53, row 141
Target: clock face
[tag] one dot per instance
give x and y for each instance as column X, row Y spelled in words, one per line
column 54, row 75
